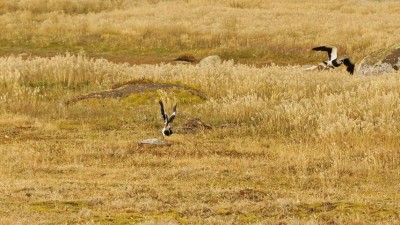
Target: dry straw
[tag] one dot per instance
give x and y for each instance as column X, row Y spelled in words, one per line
column 274, row 31
column 274, row 100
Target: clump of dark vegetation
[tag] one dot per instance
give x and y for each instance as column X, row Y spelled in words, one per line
column 186, row 58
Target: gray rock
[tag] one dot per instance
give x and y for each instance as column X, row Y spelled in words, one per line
column 154, row 142
column 212, row 60
column 382, row 61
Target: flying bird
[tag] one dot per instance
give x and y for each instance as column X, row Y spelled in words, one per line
column 333, row 60
column 167, row 129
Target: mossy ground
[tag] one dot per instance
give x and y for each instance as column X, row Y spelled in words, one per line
column 81, row 211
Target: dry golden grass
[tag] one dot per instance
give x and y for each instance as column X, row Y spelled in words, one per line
column 288, row 146
column 279, row 32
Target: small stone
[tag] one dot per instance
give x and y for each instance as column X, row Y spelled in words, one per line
column 212, row 60
column 154, row 142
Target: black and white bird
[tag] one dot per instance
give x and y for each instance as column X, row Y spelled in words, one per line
column 333, row 60
column 167, row 129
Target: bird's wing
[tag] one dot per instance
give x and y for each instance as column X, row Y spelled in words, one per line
column 332, row 51
column 172, row 117
column 333, row 54
column 163, row 113
column 349, row 65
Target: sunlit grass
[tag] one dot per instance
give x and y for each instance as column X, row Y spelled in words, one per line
column 247, row 30
column 287, row 146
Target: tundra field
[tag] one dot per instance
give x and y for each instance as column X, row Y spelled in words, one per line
column 287, row 146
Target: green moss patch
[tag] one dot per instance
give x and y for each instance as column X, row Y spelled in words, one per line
column 170, row 215
column 149, row 97
column 58, row 206
column 328, row 209
column 224, row 212
column 133, row 217
column 119, row 218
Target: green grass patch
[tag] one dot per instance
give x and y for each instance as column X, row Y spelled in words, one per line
column 151, row 97
column 330, row 209
column 170, row 215
column 118, row 218
column 248, row 218
column 58, row 206
column 224, row 212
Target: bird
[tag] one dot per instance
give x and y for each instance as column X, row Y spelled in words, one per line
column 167, row 129
column 333, row 60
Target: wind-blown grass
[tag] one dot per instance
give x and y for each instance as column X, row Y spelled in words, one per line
column 278, row 100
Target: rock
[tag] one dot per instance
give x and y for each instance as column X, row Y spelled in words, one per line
column 180, row 63
column 309, row 67
column 24, row 55
column 135, row 86
column 212, row 60
column 154, row 142
column 382, row 61
column 316, row 67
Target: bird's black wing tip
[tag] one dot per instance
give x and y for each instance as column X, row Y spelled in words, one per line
column 350, row 69
column 349, row 65
column 322, row 48
column 163, row 113
column 316, row 48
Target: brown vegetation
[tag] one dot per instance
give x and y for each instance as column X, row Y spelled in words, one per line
column 287, row 146
column 265, row 32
